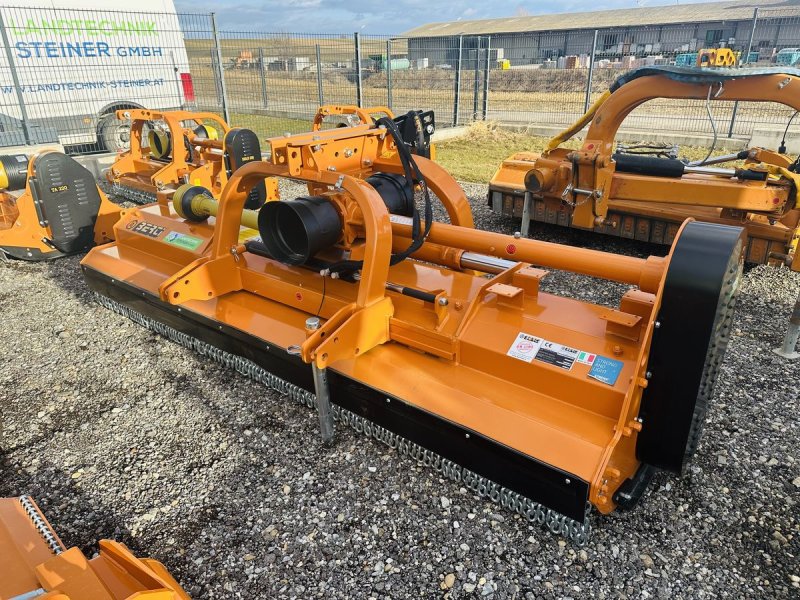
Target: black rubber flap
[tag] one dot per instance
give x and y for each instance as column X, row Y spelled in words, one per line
column 67, row 201
column 241, row 147
column 689, row 345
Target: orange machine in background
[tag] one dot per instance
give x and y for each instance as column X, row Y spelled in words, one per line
column 417, row 126
column 171, row 148
column 61, row 210
column 435, row 338
column 34, row 563
column 632, row 194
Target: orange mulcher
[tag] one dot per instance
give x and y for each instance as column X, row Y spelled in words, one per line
column 437, row 339
column 61, row 210
column 630, row 193
column 174, row 147
column 34, row 563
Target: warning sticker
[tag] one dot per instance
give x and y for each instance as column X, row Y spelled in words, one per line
column 606, row 370
column 585, row 358
column 525, row 347
column 188, row 242
column 557, row 355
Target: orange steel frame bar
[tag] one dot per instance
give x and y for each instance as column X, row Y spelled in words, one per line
column 362, row 319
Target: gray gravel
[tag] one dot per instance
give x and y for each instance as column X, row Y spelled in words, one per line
column 119, row 433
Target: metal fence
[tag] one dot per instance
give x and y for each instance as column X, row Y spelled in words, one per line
column 64, row 72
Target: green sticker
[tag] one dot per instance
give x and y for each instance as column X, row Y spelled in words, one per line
column 188, row 242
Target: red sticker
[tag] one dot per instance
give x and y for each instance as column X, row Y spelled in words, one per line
column 511, row 249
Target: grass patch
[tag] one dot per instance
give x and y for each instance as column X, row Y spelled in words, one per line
column 475, row 156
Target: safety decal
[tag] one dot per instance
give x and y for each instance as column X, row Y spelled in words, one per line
column 528, row 348
column 188, row 242
column 525, row 347
column 606, row 370
column 557, row 355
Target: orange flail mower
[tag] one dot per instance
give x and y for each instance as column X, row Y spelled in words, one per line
column 61, row 210
column 168, row 149
column 36, row 564
column 435, row 338
column 632, row 194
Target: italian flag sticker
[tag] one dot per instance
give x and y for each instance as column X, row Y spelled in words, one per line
column 585, row 358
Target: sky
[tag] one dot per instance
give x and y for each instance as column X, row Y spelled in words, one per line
column 377, row 17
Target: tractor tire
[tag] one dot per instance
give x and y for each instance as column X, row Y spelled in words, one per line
column 693, row 329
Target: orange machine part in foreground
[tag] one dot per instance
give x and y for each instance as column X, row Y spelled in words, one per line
column 458, row 349
column 61, row 210
column 591, row 188
column 35, row 563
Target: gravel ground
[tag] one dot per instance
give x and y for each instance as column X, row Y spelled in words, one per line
column 118, row 433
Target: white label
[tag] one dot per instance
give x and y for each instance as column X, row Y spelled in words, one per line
column 525, row 347
column 400, row 219
column 528, row 348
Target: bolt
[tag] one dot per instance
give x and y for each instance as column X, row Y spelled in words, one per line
column 657, row 324
column 466, row 435
column 648, row 375
column 517, row 235
column 331, row 168
column 348, row 153
column 312, row 323
column 567, row 481
column 639, row 419
column 443, row 302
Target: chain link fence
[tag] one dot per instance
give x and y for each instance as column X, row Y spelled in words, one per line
column 63, row 73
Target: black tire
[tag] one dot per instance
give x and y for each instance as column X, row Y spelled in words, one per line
column 688, row 347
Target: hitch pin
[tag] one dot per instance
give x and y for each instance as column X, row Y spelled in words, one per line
column 322, row 390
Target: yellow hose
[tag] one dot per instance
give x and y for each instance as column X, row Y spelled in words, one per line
column 577, row 125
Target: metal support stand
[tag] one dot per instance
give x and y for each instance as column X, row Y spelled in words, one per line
column 787, row 350
column 359, row 82
column 322, row 391
column 746, row 60
column 17, row 87
column 587, row 101
column 389, row 74
column 457, row 89
column 221, row 70
column 320, row 92
column 263, row 68
column 526, row 215
column 486, row 70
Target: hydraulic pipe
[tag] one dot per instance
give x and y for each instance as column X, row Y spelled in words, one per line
column 644, row 273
